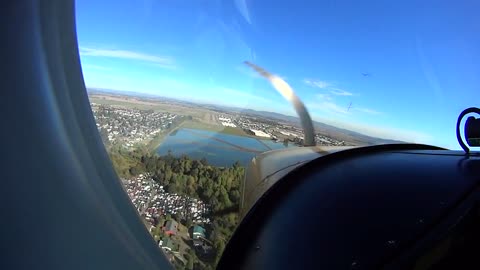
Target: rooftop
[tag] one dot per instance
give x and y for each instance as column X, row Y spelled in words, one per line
column 171, row 225
column 198, row 229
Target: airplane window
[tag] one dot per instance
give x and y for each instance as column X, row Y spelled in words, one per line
column 181, row 114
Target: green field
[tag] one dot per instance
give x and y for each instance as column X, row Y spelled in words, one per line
column 158, row 106
column 126, row 104
column 215, row 128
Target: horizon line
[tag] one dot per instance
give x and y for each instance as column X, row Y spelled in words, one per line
column 340, row 129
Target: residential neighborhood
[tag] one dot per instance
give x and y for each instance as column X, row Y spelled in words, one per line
column 274, row 130
column 162, row 213
column 130, row 126
column 152, row 201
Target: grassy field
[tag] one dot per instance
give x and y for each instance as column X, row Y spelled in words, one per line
column 125, row 104
column 130, row 103
column 215, row 128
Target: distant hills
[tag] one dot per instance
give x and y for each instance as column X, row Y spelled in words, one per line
column 322, row 128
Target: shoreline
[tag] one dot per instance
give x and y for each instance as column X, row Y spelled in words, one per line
column 158, row 140
column 196, row 125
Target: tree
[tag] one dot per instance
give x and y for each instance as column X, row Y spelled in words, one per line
column 194, row 172
column 235, row 196
column 172, row 188
column 208, row 190
column 160, row 164
column 187, row 165
column 214, row 235
column 208, row 267
column 224, row 200
column 190, row 181
column 229, row 182
column 188, row 223
column 219, row 247
column 190, row 263
column 216, row 186
column 168, row 174
column 158, row 230
column 176, row 217
column 191, row 191
column 161, row 221
column 150, row 165
column 134, row 171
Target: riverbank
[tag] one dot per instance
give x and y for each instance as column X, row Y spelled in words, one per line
column 202, row 126
column 160, row 137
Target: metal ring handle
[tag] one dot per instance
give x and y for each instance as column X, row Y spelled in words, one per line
column 459, row 136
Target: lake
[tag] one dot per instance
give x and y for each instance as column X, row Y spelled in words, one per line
column 218, row 148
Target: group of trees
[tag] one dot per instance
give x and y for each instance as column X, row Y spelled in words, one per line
column 217, row 186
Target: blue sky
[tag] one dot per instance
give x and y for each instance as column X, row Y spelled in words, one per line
column 423, row 58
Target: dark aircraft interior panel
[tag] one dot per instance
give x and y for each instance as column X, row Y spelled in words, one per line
column 358, row 210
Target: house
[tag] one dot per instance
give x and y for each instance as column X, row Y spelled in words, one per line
column 171, row 227
column 167, row 244
column 198, row 232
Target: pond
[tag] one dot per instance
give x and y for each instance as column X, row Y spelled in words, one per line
column 219, row 149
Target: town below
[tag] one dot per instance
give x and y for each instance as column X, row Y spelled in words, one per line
column 182, row 165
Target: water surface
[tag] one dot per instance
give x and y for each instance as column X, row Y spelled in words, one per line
column 218, row 148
